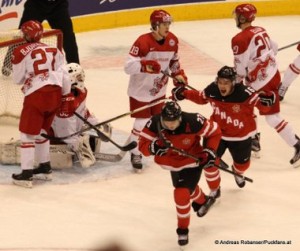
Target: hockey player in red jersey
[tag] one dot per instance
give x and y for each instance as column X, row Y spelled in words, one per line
column 291, row 73
column 38, row 67
column 182, row 130
column 150, row 54
column 233, row 106
column 255, row 61
column 66, row 122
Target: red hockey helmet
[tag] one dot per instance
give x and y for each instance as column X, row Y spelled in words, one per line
column 32, row 30
column 159, row 16
column 245, row 11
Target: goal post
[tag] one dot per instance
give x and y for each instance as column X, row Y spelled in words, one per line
column 11, row 97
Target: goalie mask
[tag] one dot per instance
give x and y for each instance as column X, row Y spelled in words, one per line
column 77, row 75
column 32, row 31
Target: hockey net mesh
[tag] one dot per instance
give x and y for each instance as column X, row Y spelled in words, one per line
column 11, row 96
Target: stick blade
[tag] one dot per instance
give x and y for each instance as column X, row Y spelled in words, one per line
column 130, row 146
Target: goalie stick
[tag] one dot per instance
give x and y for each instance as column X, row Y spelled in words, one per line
column 104, row 122
column 127, row 147
column 182, row 152
column 111, row 157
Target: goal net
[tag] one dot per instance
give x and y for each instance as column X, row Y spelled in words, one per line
column 11, row 97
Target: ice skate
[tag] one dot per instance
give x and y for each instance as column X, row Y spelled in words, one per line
column 240, row 181
column 136, row 162
column 183, row 237
column 43, row 172
column 202, row 209
column 215, row 193
column 24, row 179
column 255, row 146
column 295, row 161
column 282, row 91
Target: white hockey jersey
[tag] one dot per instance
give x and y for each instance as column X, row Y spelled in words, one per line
column 65, row 122
column 147, row 87
column 36, row 65
column 254, row 56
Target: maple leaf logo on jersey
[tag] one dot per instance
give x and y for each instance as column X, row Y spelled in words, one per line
column 186, row 141
column 236, row 108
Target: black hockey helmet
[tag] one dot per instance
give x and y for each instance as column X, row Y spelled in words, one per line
column 171, row 111
column 228, row 73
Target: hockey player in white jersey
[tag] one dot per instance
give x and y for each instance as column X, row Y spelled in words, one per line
column 291, row 73
column 150, row 54
column 255, row 62
column 66, row 122
column 38, row 68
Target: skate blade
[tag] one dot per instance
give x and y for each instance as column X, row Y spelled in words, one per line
column 183, row 248
column 43, row 176
column 255, row 155
column 135, row 170
column 23, row 183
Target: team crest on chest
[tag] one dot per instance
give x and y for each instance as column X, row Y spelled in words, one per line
column 186, row 141
column 236, row 108
column 171, row 42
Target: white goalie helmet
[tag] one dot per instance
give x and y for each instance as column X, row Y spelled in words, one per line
column 77, row 75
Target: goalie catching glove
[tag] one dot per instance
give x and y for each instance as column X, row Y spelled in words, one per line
column 159, row 148
column 267, row 98
column 207, row 159
column 150, row 66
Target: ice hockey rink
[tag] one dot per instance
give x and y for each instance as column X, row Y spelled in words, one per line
column 109, row 203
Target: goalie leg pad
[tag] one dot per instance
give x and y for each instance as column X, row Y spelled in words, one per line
column 84, row 152
column 60, row 156
column 10, row 152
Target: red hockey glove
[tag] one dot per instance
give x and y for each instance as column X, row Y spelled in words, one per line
column 177, row 93
column 150, row 66
column 179, row 78
column 207, row 159
column 267, row 98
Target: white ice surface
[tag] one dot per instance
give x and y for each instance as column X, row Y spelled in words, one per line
column 84, row 209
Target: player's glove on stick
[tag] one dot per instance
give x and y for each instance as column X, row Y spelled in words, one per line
column 159, row 148
column 179, row 78
column 267, row 98
column 208, row 158
column 150, row 66
column 177, row 93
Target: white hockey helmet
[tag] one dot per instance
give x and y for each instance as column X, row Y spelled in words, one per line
column 77, row 75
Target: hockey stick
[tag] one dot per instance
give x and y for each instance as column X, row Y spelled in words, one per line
column 182, row 152
column 288, row 46
column 105, row 122
column 170, row 76
column 111, row 157
column 127, row 147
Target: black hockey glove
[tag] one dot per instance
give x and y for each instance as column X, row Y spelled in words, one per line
column 208, row 158
column 267, row 98
column 177, row 93
column 157, row 147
